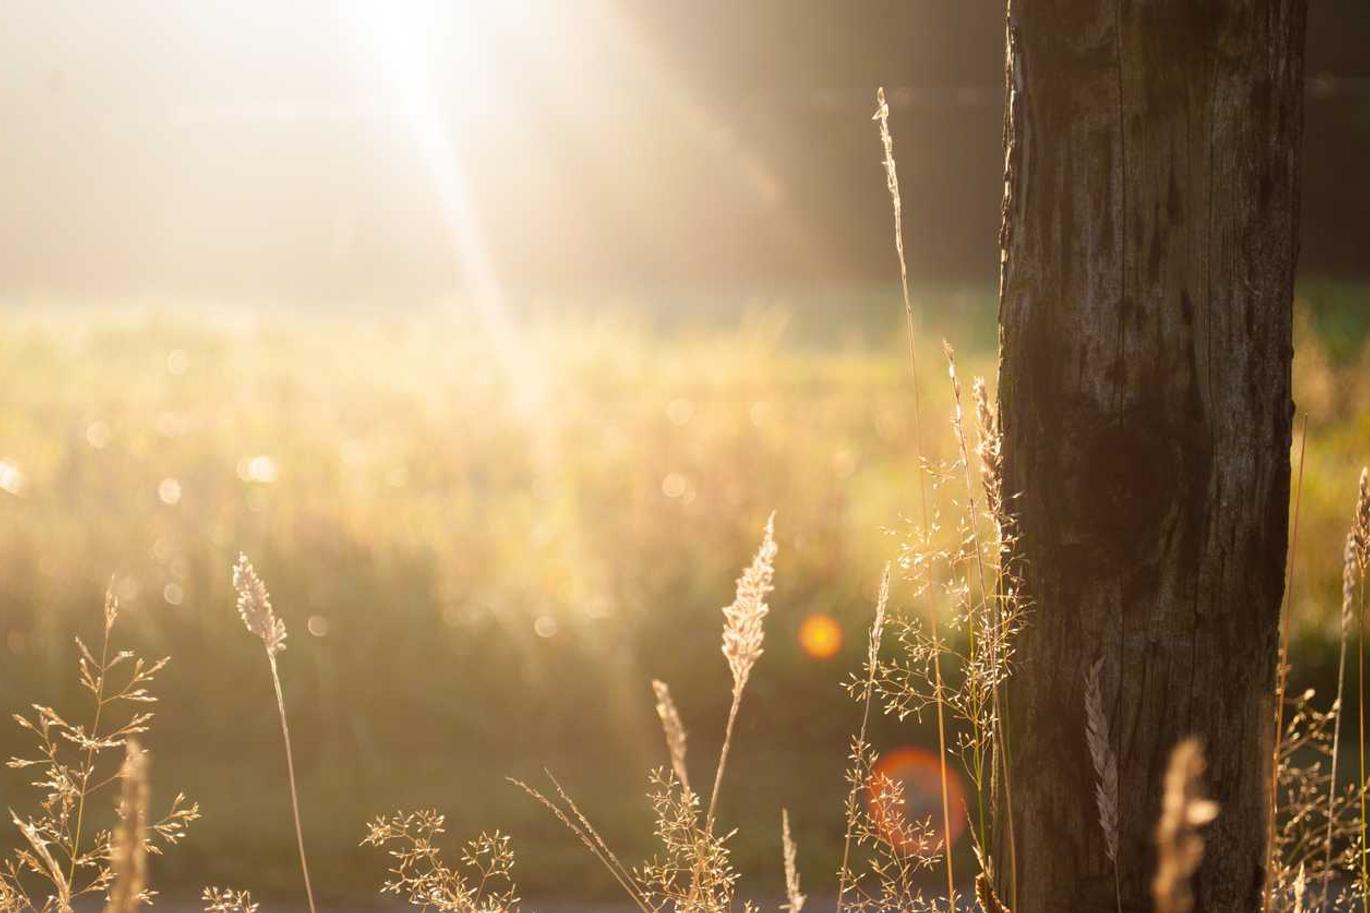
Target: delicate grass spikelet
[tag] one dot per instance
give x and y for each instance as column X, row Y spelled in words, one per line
column 482, row 882
column 742, row 629
column 226, row 900
column 1179, row 847
column 254, row 606
column 989, row 447
column 882, row 600
column 41, row 860
column 111, row 606
column 1105, row 762
column 674, row 730
column 128, row 848
column 794, row 899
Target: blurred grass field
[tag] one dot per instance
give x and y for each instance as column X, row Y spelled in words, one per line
column 485, row 540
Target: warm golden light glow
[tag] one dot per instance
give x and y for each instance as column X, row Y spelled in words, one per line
column 820, row 636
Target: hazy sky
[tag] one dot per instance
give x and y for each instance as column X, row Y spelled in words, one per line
column 398, row 149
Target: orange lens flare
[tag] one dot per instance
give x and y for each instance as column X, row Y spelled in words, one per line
column 820, row 636
column 904, row 798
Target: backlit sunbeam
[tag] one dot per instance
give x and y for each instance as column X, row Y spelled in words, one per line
column 395, row 40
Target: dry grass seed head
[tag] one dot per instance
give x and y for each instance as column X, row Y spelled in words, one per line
column 1105, row 762
column 128, row 848
column 743, row 633
column 1179, row 845
column 794, row 899
column 673, row 729
column 254, row 606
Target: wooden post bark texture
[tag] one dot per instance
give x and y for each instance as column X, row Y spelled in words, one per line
column 1149, row 244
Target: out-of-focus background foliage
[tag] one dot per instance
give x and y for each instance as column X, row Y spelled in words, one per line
column 495, row 364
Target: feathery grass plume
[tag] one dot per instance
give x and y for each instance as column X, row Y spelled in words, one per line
column 1273, row 864
column 1179, row 846
column 482, row 883
column 1105, row 770
column 743, row 635
column 1300, row 889
column 59, row 864
column 254, row 606
column 128, row 848
column 226, row 900
column 693, row 872
column 794, row 900
column 673, row 729
column 1105, row 762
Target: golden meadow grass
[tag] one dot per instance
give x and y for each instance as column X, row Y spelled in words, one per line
column 61, row 859
column 952, row 578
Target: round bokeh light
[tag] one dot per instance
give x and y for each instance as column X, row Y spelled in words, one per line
column 916, row 825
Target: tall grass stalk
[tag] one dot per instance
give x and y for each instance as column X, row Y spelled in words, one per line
column 794, row 898
column 867, row 695
column 1006, row 605
column 1360, row 536
column 1348, row 589
column 882, row 115
column 980, row 740
column 254, row 606
column 111, row 613
column 1282, row 678
column 129, row 844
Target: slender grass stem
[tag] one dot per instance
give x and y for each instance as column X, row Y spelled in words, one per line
column 892, row 183
column 1337, row 707
column 1360, row 740
column 722, row 759
column 290, row 769
column 89, row 767
column 868, row 689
